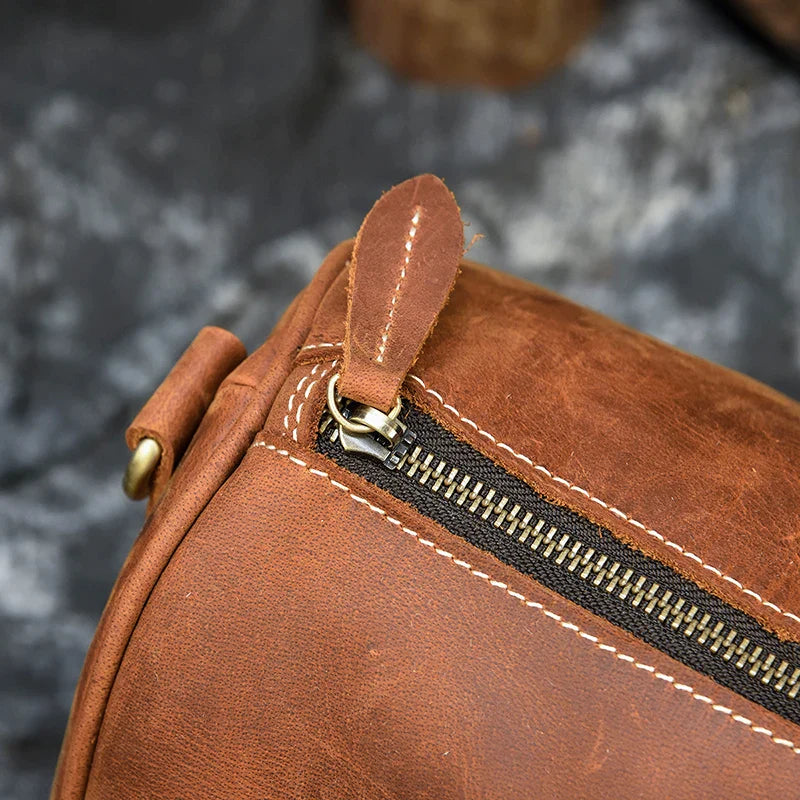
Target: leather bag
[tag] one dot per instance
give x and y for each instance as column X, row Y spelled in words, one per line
column 448, row 535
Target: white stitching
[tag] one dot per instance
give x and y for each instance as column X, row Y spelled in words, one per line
column 294, row 394
column 321, row 344
column 668, row 679
column 412, row 232
column 584, row 493
column 305, row 396
column 621, row 514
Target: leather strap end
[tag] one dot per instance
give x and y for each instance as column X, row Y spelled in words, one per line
column 175, row 409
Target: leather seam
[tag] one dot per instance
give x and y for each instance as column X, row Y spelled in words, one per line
column 306, row 395
column 408, row 246
column 572, row 487
column 294, row 394
column 520, row 598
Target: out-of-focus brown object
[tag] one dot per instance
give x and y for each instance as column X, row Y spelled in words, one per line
column 488, row 42
column 779, row 19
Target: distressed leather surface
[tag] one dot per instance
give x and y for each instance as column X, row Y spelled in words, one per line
column 175, row 409
column 300, row 644
column 298, row 633
column 691, row 463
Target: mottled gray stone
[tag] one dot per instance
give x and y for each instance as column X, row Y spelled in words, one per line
column 157, row 177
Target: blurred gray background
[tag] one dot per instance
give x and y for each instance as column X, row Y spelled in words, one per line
column 173, row 164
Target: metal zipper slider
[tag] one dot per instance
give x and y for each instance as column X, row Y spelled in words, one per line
column 369, row 431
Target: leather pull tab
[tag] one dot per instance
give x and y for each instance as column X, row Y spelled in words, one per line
column 404, row 264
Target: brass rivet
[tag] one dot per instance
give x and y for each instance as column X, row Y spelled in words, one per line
column 143, row 463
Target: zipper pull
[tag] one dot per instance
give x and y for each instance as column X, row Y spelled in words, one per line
column 404, row 265
column 367, row 431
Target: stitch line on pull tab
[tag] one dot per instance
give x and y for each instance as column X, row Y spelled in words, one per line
column 368, row 431
column 408, row 246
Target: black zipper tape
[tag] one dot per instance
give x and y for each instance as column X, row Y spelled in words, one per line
column 433, row 438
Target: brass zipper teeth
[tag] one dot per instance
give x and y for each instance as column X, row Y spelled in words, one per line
column 596, row 568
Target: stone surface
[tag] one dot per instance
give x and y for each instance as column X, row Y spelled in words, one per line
column 166, row 166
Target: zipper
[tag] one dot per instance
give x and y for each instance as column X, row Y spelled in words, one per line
column 402, row 270
column 414, row 458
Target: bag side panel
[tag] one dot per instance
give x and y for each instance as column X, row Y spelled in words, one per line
column 234, row 418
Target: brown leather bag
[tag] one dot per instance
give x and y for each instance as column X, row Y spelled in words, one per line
column 524, row 553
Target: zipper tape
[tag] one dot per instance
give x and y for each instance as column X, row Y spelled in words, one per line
column 458, row 487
